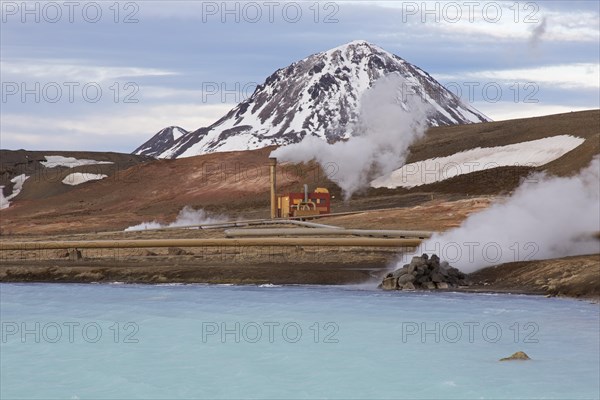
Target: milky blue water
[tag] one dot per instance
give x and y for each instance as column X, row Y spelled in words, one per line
column 196, row 341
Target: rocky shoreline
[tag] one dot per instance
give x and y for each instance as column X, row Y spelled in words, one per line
column 575, row 277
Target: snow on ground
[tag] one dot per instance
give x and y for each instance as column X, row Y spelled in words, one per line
column 533, row 153
column 70, row 162
column 81, row 177
column 3, row 200
column 18, row 185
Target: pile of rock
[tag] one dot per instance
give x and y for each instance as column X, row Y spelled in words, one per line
column 425, row 273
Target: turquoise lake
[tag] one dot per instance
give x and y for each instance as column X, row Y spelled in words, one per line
column 115, row 341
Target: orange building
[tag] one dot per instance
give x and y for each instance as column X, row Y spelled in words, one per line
column 297, row 204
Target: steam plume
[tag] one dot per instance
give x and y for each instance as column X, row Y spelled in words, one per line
column 392, row 116
column 187, row 216
column 537, row 33
column 547, row 217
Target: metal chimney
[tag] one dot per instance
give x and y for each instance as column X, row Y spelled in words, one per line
column 272, row 165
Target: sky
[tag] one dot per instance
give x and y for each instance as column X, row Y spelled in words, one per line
column 107, row 75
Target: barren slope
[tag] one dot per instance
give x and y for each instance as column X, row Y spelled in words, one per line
column 236, row 183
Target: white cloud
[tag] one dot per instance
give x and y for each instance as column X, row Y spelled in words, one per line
column 163, row 92
column 71, row 71
column 477, row 21
column 210, row 93
column 128, row 129
column 491, row 21
column 509, row 110
column 565, row 76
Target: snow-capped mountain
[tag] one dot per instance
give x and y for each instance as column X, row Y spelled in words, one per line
column 318, row 95
column 164, row 139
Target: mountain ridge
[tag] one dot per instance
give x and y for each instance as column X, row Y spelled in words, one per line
column 318, row 95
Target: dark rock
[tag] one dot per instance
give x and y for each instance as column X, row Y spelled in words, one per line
column 399, row 272
column 433, row 262
column 452, row 280
column 406, row 278
column 418, row 261
column 389, row 284
column 426, row 273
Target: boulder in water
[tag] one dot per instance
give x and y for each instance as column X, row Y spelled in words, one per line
column 519, row 355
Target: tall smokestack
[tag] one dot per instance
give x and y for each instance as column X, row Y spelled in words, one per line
column 272, row 165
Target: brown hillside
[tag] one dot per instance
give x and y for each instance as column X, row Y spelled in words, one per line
column 236, row 183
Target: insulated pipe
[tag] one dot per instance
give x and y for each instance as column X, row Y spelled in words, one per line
column 302, row 223
column 223, row 225
column 265, row 232
column 272, row 165
column 261, row 221
column 288, row 242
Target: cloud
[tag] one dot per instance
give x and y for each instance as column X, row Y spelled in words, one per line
column 71, row 71
column 491, row 21
column 105, row 130
column 164, row 56
column 510, row 110
column 565, row 76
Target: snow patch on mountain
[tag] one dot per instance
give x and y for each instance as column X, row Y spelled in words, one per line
column 78, row 178
column 532, row 153
column 165, row 138
column 69, row 162
column 18, row 182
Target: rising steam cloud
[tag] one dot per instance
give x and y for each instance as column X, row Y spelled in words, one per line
column 546, row 217
column 537, row 33
column 392, row 116
column 186, row 217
